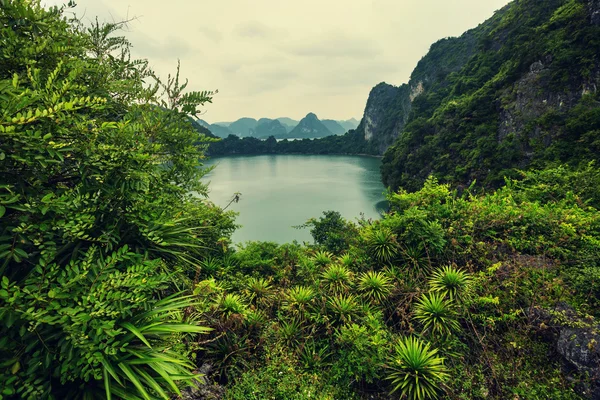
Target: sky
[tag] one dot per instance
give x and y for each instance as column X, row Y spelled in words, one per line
column 282, row 58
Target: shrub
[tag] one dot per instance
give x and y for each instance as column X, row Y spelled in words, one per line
column 436, row 314
column 416, row 369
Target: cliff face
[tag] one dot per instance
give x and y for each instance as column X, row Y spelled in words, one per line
column 518, row 91
column 388, row 107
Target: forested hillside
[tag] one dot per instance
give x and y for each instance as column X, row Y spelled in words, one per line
column 519, row 91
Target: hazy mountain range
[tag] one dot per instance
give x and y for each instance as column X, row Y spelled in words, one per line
column 281, row 128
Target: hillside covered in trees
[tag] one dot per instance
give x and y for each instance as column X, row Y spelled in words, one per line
column 118, row 278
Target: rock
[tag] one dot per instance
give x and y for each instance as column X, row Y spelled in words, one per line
column 208, row 391
column 577, row 341
column 595, row 12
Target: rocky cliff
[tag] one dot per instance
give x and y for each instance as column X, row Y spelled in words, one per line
column 518, row 91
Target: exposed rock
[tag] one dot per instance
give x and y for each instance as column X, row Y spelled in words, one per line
column 417, row 90
column 595, row 12
column 207, row 391
column 577, row 340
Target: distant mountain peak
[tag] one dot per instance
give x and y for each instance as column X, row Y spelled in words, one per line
column 310, row 127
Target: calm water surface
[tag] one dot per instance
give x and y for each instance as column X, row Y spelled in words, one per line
column 282, row 191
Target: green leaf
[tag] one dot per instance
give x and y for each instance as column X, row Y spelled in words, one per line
column 136, row 332
column 134, row 379
column 15, row 368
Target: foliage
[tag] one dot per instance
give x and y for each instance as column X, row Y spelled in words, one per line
column 450, row 282
column 435, row 314
column 375, row 285
column 381, row 244
column 416, row 369
column 99, row 228
column 466, row 268
column 332, row 232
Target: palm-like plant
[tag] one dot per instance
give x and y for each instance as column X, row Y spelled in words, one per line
column 258, row 288
column 375, row 285
column 416, row 369
column 146, row 365
column 209, row 266
column 337, row 278
column 381, row 244
column 451, row 282
column 298, row 298
column 313, row 357
column 344, row 307
column 322, row 258
column 346, row 260
column 436, row 314
column 232, row 304
column 289, row 331
column 255, row 318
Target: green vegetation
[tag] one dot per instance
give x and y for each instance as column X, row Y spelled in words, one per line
column 517, row 91
column 117, row 278
column 351, row 142
column 100, row 239
column 437, row 298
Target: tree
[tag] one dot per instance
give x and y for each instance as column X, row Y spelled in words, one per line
column 99, row 226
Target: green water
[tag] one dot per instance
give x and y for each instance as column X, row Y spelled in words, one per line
column 282, row 191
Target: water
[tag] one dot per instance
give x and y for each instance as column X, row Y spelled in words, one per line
column 282, row 191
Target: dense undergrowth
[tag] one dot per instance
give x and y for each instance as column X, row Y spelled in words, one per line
column 99, row 234
column 447, row 286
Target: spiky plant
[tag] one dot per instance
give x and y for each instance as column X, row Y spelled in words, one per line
column 232, row 304
column 258, row 288
column 416, row 369
column 313, row 357
column 322, row 258
column 343, row 307
column 255, row 318
column 209, row 266
column 451, row 282
column 337, row 278
column 416, row 256
column 435, row 314
column 298, row 298
column 381, row 244
column 290, row 331
column 346, row 260
column 375, row 286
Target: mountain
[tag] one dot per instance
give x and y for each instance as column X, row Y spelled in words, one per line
column 225, row 124
column 215, row 129
column 518, row 91
column 243, row 126
column 334, row 127
column 270, row 127
column 289, row 123
column 309, row 127
column 349, row 124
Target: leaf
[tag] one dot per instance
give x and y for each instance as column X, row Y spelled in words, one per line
column 134, row 379
column 2, row 211
column 136, row 332
column 15, row 368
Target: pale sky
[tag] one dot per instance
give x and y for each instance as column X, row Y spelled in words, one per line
column 281, row 58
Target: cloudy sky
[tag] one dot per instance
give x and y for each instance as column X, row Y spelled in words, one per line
column 275, row 58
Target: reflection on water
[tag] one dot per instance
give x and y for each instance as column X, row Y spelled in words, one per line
column 282, row 191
